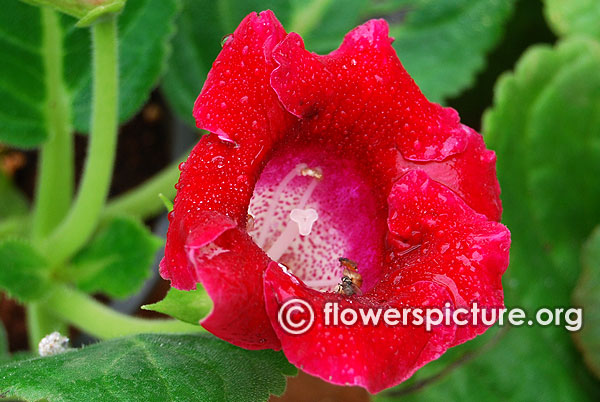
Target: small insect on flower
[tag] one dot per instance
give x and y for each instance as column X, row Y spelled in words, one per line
column 351, row 279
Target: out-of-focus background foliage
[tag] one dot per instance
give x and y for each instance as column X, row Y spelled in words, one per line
column 525, row 73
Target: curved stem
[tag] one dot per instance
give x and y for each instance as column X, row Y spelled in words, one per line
column 98, row 320
column 40, row 324
column 83, row 218
column 306, row 18
column 143, row 201
column 55, row 179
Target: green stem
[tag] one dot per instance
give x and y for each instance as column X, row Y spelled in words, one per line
column 55, row 179
column 40, row 324
column 306, row 18
column 83, row 218
column 143, row 201
column 101, row 321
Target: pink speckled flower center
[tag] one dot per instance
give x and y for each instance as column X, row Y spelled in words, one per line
column 310, row 209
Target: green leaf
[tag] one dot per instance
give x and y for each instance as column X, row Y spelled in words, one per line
column 189, row 306
column 150, row 368
column 564, row 129
column 145, row 28
column 442, row 44
column 573, row 17
column 587, row 296
column 23, row 273
column 22, row 90
column 203, row 23
column 536, row 277
column 118, row 259
column 12, row 201
column 517, row 368
column 534, row 137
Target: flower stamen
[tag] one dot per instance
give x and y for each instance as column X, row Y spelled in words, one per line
column 302, row 219
column 264, row 230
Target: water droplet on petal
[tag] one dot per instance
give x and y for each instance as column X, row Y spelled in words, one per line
column 226, row 39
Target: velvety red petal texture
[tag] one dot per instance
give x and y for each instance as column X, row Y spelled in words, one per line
column 444, row 252
column 244, row 116
column 311, row 158
column 360, row 98
column 374, row 357
column 364, row 78
column 437, row 237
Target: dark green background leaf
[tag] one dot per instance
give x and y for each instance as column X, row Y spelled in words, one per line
column 189, row 306
column 23, row 273
column 203, row 23
column 145, row 28
column 587, row 296
column 22, row 91
column 150, row 368
column 442, row 44
column 118, row 259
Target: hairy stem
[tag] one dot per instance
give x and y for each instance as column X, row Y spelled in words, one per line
column 55, row 178
column 40, row 323
column 83, row 218
column 98, row 320
column 143, row 201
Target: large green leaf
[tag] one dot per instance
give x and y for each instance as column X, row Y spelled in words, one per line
column 150, row 368
column 189, row 306
column 203, row 23
column 23, row 273
column 531, row 363
column 145, row 27
column 442, row 44
column 569, row 17
column 564, row 129
column 512, row 128
column 118, row 259
column 587, row 296
column 22, row 91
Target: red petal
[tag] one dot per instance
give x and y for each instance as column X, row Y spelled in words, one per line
column 445, row 252
column 230, row 267
column 361, row 100
column 374, row 357
column 471, row 174
column 443, row 240
column 237, row 105
column 362, row 87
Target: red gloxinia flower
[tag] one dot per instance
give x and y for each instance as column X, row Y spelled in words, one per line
column 312, row 158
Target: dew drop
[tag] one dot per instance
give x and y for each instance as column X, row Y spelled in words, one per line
column 226, row 39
